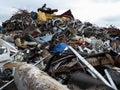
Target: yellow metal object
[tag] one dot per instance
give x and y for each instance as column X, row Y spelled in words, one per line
column 48, row 16
column 42, row 16
column 20, row 44
column 64, row 18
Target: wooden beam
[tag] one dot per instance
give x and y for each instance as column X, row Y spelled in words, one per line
column 29, row 77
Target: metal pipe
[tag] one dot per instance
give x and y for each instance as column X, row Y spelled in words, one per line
column 6, row 84
column 91, row 73
column 90, row 67
column 40, row 60
column 80, row 48
column 110, row 79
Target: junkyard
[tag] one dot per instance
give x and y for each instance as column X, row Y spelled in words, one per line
column 44, row 51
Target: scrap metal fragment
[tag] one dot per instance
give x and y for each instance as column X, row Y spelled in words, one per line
column 90, row 67
column 110, row 79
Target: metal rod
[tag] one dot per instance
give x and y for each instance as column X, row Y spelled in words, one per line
column 80, row 48
column 110, row 79
column 40, row 60
column 90, row 67
column 91, row 73
column 6, row 84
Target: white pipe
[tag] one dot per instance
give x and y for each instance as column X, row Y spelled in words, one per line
column 90, row 67
column 80, row 48
column 91, row 73
column 1, row 88
column 110, row 79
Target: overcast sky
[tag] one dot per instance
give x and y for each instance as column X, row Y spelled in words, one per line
column 99, row 12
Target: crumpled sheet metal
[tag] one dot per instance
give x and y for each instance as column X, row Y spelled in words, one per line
column 29, row 77
column 76, row 65
column 91, row 38
column 70, row 28
column 18, row 21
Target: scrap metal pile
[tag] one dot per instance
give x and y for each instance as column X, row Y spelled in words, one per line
column 76, row 54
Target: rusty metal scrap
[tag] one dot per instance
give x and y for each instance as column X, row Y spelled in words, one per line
column 19, row 21
column 75, row 65
column 99, row 46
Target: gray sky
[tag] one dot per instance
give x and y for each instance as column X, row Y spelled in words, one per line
column 99, row 12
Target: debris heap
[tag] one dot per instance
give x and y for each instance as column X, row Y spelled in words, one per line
column 75, row 53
